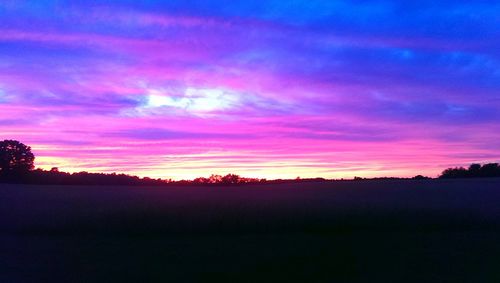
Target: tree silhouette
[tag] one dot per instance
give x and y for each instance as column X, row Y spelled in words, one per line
column 490, row 170
column 231, row 179
column 215, row 179
column 474, row 171
column 15, row 158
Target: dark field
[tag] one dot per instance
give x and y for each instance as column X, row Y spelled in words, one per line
column 350, row 231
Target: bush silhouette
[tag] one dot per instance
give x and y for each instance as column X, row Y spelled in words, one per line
column 420, row 177
column 15, row 158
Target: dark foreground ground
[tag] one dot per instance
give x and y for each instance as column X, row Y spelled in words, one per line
column 363, row 231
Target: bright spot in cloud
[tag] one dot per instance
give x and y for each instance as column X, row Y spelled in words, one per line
column 154, row 100
column 194, row 100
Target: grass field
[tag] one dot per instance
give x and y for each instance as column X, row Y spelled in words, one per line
column 346, row 231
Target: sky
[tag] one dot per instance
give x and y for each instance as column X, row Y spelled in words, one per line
column 270, row 89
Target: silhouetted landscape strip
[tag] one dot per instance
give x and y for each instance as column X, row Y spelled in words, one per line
column 17, row 163
column 55, row 177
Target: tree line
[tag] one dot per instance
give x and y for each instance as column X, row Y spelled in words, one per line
column 17, row 166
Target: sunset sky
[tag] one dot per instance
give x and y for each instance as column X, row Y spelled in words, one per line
column 272, row 89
